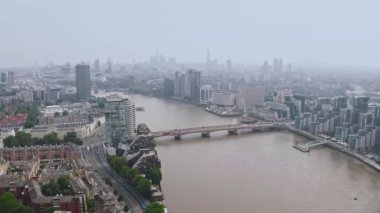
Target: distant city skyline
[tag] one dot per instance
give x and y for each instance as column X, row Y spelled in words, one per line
column 316, row 31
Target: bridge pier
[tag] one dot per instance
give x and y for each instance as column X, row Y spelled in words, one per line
column 177, row 137
column 233, row 132
column 205, row 134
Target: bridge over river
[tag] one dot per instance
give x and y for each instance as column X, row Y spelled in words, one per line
column 205, row 131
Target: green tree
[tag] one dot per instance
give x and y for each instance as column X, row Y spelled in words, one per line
column 50, row 209
column 154, row 208
column 65, row 113
column 24, row 209
column 10, row 141
column 29, row 124
column 142, row 185
column 108, row 181
column 155, row 175
column 120, row 198
column 117, row 162
column 23, row 138
column 63, row 182
column 52, row 138
column 8, row 202
column 90, row 203
column 72, row 137
column 128, row 173
column 51, row 189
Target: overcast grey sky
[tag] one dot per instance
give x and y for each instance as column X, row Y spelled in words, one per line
column 344, row 32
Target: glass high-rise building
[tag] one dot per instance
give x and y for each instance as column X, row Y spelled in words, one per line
column 120, row 121
column 83, row 81
column 361, row 103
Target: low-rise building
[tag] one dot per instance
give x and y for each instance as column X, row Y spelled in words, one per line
column 33, row 196
column 66, row 152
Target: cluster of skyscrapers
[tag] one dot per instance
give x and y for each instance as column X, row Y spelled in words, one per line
column 187, row 86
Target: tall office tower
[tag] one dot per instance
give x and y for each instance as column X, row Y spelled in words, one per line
column 177, row 84
column 279, row 65
column 340, row 103
column 275, row 65
column 208, row 59
column 83, row 81
column 361, row 103
column 120, row 119
column 97, row 65
column 289, row 68
column 182, row 85
column 3, row 77
column 193, row 85
column 265, row 67
column 109, row 65
column 167, row 88
column 229, row 65
column 377, row 115
column 11, row 78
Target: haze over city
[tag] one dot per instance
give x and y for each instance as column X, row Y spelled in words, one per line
column 209, row 106
column 313, row 32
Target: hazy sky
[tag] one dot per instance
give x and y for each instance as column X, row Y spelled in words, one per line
column 344, row 32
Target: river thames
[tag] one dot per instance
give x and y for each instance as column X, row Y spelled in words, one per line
column 258, row 172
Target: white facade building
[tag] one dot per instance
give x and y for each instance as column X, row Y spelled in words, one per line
column 224, row 98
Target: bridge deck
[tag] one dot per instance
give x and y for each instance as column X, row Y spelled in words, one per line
column 208, row 129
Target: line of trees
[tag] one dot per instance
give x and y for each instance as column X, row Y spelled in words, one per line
column 25, row 139
column 132, row 176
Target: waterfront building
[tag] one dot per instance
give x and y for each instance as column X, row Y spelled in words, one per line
column 205, row 93
column 193, row 85
column 179, row 85
column 120, row 120
column 83, row 81
column 224, row 98
column 249, row 97
column 167, row 88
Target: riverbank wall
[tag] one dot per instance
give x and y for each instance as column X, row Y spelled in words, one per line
column 335, row 146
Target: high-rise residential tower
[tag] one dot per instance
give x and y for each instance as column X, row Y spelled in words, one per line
column 97, row 65
column 3, row 77
column 11, row 78
column 83, row 81
column 193, row 85
column 120, row 121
